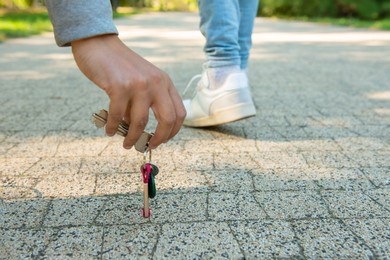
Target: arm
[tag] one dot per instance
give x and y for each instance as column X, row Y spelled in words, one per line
column 133, row 84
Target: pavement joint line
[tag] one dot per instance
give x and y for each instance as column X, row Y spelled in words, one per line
column 357, row 236
column 150, row 223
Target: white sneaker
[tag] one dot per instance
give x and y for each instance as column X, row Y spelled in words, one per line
column 230, row 102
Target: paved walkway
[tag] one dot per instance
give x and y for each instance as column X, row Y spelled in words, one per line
column 307, row 178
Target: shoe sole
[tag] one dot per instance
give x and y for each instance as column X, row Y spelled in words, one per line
column 224, row 116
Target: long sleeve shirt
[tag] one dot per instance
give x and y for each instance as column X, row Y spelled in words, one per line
column 80, row 19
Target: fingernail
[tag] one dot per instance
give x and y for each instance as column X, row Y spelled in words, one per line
column 127, row 147
column 110, row 134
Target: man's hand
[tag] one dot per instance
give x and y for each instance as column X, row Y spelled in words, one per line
column 133, row 85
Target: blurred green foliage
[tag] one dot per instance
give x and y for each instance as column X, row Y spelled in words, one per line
column 361, row 9
column 23, row 23
column 25, row 17
column 161, row 5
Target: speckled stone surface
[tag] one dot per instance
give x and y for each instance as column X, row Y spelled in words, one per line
column 307, row 178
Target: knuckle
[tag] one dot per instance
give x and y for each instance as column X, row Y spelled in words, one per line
column 169, row 120
column 181, row 115
column 158, row 77
column 140, row 124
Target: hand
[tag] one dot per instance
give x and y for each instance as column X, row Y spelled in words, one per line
column 133, row 85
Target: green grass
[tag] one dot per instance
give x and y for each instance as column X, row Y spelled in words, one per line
column 383, row 24
column 14, row 24
column 22, row 24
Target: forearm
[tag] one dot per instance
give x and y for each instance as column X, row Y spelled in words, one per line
column 79, row 19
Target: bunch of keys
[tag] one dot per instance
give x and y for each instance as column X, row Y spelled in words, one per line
column 148, row 170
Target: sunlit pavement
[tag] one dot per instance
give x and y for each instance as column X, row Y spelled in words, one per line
column 308, row 177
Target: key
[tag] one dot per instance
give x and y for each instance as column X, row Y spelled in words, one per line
column 100, row 120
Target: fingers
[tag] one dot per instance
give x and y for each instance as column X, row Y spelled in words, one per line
column 139, row 114
column 170, row 114
column 179, row 109
column 166, row 118
column 116, row 111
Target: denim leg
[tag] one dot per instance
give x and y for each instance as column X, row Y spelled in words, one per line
column 248, row 11
column 220, row 23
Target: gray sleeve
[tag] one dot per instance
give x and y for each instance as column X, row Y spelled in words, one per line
column 79, row 19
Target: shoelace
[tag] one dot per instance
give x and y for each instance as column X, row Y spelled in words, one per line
column 190, row 84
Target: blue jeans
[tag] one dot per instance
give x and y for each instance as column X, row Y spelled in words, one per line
column 227, row 26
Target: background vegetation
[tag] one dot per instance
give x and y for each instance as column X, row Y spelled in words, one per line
column 360, row 9
column 25, row 17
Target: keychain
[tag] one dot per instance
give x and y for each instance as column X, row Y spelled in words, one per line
column 148, row 170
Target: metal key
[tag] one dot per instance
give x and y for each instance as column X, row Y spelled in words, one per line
column 100, row 120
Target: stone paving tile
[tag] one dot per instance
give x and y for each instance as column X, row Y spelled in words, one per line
column 340, row 178
column 329, row 239
column 283, row 179
column 203, row 240
column 292, row 133
column 379, row 176
column 179, row 181
column 275, row 120
column 181, row 207
column 5, row 147
column 60, row 186
column 341, row 121
column 73, row 211
column 370, row 158
column 328, row 159
column 328, row 132
column 76, row 242
column 130, row 242
column 22, row 213
column 238, row 146
column 371, row 131
column 118, row 183
column 234, row 206
column 373, row 119
column 292, row 204
column 19, row 192
column 374, row 232
column 362, row 143
column 263, row 133
column 121, row 209
column 32, row 150
column 115, row 148
column 208, row 146
column 265, row 239
column 15, row 166
column 275, row 146
column 353, row 204
column 382, row 196
column 188, row 133
column 79, row 148
column 187, row 162
column 275, row 160
column 231, row 131
column 24, row 243
column 55, row 166
column 301, row 121
column 26, row 136
column 315, row 145
column 100, row 164
column 229, row 180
